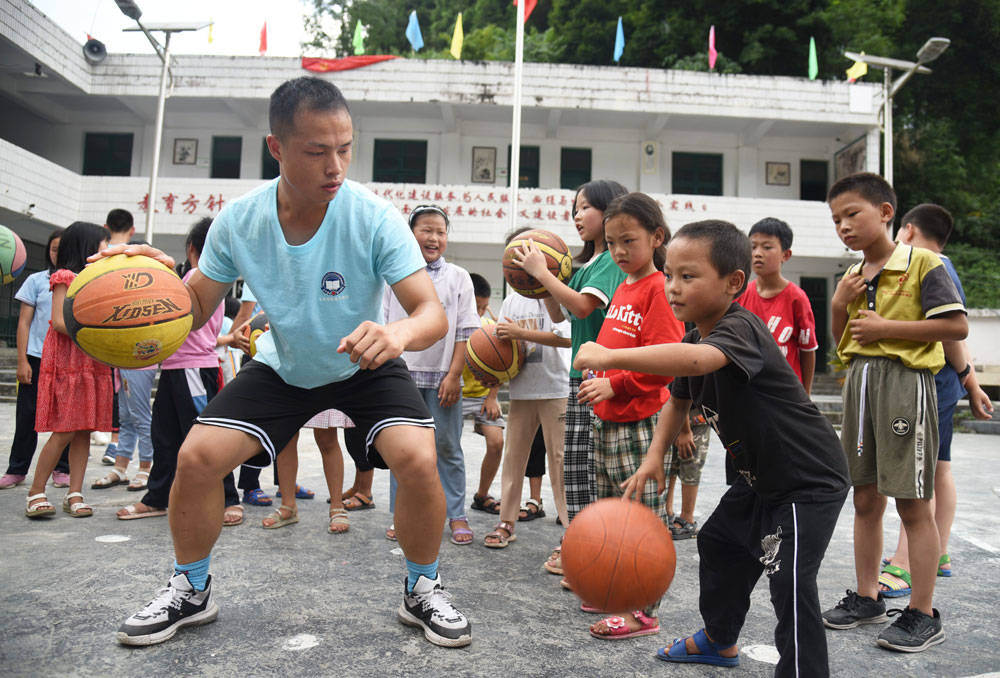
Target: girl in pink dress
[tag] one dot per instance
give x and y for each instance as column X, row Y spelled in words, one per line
column 74, row 392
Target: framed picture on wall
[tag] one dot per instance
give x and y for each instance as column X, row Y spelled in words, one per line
column 851, row 159
column 185, row 151
column 778, row 173
column 484, row 164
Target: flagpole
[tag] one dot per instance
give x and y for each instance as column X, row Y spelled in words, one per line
column 514, row 171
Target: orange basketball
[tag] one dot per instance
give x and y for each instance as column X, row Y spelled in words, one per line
column 492, row 360
column 556, row 258
column 128, row 312
column 618, row 556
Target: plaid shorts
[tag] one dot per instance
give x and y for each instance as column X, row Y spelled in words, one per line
column 689, row 470
column 578, row 457
column 619, row 449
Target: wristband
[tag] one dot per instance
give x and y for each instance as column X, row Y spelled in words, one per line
column 964, row 373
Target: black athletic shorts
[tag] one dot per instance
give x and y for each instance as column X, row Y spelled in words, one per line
column 259, row 403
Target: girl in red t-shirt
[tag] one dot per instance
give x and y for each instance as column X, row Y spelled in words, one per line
column 626, row 403
column 74, row 391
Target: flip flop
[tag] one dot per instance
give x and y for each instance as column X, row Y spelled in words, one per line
column 256, row 497
column 709, row 652
column 300, row 493
column 619, row 630
column 945, row 560
column 132, row 514
column 455, row 531
column 280, row 520
column 359, row 502
column 114, row 477
column 532, row 509
column 228, row 516
column 893, row 589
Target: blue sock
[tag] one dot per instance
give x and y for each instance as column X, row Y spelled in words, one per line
column 197, row 572
column 414, row 570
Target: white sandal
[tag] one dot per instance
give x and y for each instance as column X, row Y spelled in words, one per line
column 42, row 509
column 139, row 481
column 339, row 517
column 114, row 477
column 79, row 509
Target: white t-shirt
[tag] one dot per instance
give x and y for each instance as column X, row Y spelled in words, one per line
column 546, row 369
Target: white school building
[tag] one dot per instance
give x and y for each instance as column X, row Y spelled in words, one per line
column 76, row 140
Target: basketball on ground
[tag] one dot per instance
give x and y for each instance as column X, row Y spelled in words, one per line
column 618, row 556
column 12, row 255
column 556, row 258
column 128, row 312
column 492, row 360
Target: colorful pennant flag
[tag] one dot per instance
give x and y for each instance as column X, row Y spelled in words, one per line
column 529, row 7
column 317, row 65
column 619, row 41
column 413, row 32
column 859, row 69
column 712, row 54
column 813, row 59
column 457, row 38
column 211, row 25
column 359, row 39
column 263, row 39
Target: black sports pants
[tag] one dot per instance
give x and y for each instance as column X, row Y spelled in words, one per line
column 746, row 537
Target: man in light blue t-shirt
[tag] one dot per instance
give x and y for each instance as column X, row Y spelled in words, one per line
column 317, row 249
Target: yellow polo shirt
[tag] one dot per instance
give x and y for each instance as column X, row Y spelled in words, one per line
column 913, row 285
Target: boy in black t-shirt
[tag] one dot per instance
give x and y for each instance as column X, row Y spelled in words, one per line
column 787, row 474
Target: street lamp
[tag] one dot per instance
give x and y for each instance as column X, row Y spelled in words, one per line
column 930, row 51
column 132, row 11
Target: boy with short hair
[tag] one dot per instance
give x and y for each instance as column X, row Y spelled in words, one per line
column 780, row 303
column 891, row 311
column 480, row 403
column 787, row 475
column 121, row 225
column 929, row 226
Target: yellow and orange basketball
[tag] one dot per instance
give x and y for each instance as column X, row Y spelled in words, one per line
column 556, row 258
column 128, row 312
column 492, row 360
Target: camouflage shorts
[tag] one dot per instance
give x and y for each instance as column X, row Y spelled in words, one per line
column 689, row 470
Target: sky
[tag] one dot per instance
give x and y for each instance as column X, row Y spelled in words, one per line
column 236, row 30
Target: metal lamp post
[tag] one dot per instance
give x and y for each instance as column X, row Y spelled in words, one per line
column 132, row 11
column 930, row 51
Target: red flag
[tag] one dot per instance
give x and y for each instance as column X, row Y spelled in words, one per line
column 263, row 39
column 529, row 6
column 712, row 54
column 318, row 65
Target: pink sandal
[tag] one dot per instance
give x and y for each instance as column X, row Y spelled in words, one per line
column 618, row 628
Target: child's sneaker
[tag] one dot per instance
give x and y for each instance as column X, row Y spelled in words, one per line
column 60, row 479
column 854, row 610
column 175, row 606
column 429, row 607
column 10, row 480
column 914, row 631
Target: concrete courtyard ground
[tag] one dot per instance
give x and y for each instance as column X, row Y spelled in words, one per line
column 300, row 602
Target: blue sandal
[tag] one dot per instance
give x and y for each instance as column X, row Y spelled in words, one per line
column 300, row 493
column 256, row 497
column 677, row 652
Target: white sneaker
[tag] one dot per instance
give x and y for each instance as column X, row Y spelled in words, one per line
column 429, row 607
column 175, row 606
column 99, row 438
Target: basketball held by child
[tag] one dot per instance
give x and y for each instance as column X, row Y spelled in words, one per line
column 492, row 360
column 128, row 312
column 556, row 258
column 618, row 556
column 12, row 255
column 257, row 326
